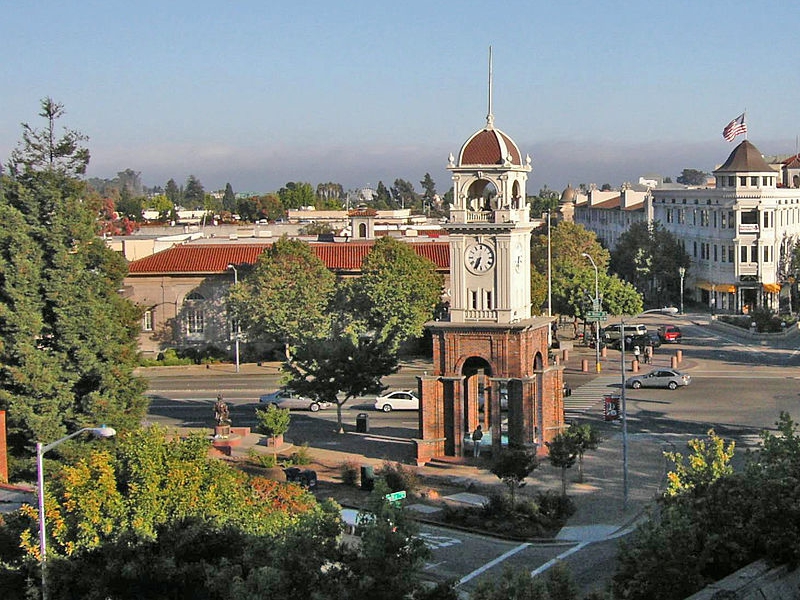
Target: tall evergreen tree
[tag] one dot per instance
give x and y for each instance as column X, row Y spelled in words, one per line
column 229, row 199
column 193, row 194
column 173, row 192
column 67, row 338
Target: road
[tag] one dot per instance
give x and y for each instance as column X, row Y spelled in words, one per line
column 738, row 387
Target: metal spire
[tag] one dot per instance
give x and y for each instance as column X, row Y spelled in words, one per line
column 489, row 115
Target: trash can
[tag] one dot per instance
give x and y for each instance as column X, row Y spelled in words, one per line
column 362, row 423
column 367, row 477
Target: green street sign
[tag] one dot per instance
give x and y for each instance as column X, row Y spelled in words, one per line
column 596, row 315
column 396, row 496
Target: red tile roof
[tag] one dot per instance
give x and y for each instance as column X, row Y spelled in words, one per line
column 215, row 258
column 484, row 148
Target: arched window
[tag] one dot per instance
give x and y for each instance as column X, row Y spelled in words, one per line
column 194, row 316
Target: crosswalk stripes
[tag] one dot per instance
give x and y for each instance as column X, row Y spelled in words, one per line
column 590, row 395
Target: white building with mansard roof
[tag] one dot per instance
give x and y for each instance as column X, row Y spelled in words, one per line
column 739, row 233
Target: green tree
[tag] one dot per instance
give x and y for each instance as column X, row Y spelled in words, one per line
column 649, row 256
column 162, row 204
column 329, row 195
column 517, row 584
column 710, row 460
column 562, row 453
column 295, row 195
column 256, row 208
column 428, row 190
column 229, row 199
column 585, row 437
column 129, row 205
column 43, row 150
column 692, row 177
column 174, row 193
column 546, row 200
column 273, row 420
column 193, row 194
column 512, row 466
column 383, row 198
column 403, row 194
column 286, row 297
column 373, row 315
column 68, row 340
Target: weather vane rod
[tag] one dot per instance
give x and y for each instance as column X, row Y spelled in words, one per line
column 489, row 115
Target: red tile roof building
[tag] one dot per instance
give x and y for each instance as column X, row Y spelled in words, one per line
column 183, row 289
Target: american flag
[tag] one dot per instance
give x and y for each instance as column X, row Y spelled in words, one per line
column 734, row 128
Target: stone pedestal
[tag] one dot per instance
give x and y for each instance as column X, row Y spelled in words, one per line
column 222, row 430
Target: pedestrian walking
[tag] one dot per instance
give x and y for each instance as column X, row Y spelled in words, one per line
column 477, row 436
column 648, row 354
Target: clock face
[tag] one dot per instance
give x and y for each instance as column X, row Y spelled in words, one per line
column 480, row 258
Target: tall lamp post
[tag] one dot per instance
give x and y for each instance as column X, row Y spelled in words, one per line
column 238, row 323
column 682, row 273
column 667, row 310
column 103, row 432
column 596, row 307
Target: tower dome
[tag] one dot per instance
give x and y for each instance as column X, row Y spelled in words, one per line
column 489, row 146
column 568, row 195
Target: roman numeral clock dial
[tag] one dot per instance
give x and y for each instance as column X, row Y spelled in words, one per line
column 480, row 258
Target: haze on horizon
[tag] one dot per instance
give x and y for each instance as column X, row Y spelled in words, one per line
column 260, row 95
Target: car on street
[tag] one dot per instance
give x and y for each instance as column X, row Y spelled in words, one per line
column 655, row 339
column 397, row 400
column 659, row 378
column 670, row 334
column 287, row 398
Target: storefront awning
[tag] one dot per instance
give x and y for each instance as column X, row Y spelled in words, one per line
column 772, row 288
column 717, row 287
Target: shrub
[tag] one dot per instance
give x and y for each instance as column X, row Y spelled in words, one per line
column 300, row 457
column 554, row 506
column 266, row 460
column 273, row 421
column 399, row 478
column 348, row 470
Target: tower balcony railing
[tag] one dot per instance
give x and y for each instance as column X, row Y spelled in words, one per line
column 482, row 216
column 480, row 315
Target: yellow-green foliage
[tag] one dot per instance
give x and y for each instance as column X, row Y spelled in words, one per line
column 709, row 461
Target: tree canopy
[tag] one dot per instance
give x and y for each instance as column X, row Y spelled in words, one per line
column 649, row 257
column 42, row 149
column 573, row 276
column 692, row 177
column 68, row 340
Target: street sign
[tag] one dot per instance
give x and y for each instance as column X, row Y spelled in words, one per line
column 396, row 496
column 596, row 315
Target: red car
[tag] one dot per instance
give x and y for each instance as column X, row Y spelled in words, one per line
column 669, row 333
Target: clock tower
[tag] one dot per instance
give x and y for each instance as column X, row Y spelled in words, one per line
column 491, row 361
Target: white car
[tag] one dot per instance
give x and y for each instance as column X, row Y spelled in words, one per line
column 398, row 400
column 286, row 398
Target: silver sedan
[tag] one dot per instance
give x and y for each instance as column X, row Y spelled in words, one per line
column 660, row 378
column 285, row 398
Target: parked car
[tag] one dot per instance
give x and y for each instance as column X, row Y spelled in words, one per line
column 640, row 340
column 612, row 333
column 670, row 333
column 655, row 339
column 659, row 378
column 397, row 400
column 286, row 398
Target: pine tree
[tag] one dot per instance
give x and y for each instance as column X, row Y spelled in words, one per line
column 67, row 338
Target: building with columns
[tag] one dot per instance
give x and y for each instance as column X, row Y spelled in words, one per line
column 739, row 233
column 489, row 348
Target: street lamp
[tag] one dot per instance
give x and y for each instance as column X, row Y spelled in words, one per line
column 667, row 310
column 596, row 307
column 682, row 273
column 238, row 323
column 103, row 432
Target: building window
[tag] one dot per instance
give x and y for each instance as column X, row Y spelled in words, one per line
column 682, row 217
column 730, row 254
column 694, row 252
column 766, row 254
column 474, row 295
column 754, row 253
column 703, row 218
column 147, row 320
column 715, row 253
column 194, row 317
column 715, row 219
column 754, row 181
column 744, row 254
column 195, row 320
column 669, row 215
column 731, row 220
column 731, row 181
column 722, row 249
column 743, row 181
column 489, row 300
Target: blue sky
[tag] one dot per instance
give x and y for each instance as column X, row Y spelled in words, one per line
column 258, row 93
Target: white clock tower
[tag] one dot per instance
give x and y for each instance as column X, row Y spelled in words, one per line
column 489, row 229
column 491, row 365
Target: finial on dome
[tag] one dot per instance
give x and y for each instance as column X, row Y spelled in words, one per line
column 450, row 159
